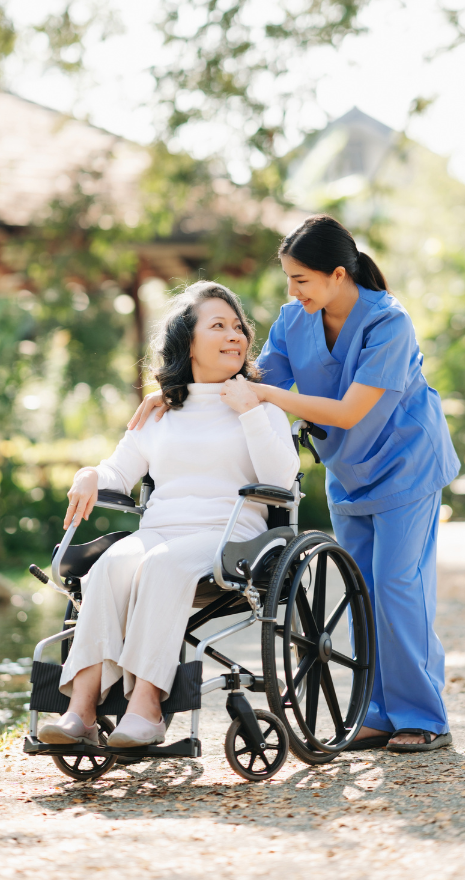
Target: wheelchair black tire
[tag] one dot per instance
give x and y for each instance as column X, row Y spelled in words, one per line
column 286, row 588
column 70, row 765
column 272, row 724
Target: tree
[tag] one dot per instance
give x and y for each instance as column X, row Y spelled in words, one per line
column 232, row 64
column 64, row 31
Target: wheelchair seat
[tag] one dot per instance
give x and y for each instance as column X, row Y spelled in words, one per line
column 260, row 552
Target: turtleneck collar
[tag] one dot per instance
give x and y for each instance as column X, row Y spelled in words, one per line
column 195, row 388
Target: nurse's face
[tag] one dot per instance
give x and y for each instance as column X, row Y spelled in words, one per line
column 315, row 290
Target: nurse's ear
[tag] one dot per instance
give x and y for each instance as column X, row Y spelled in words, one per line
column 339, row 275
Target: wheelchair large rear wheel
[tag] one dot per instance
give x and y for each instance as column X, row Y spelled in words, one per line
column 319, row 657
column 84, row 767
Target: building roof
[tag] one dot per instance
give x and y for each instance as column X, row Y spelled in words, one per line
column 41, row 150
column 346, row 155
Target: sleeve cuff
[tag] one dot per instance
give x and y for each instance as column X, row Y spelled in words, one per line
column 255, row 420
column 392, row 383
column 105, row 476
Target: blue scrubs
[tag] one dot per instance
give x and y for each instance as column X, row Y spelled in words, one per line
column 383, row 480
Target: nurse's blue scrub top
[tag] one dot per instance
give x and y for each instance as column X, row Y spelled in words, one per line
column 401, row 450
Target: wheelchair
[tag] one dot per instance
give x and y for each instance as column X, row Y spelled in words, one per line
column 317, row 643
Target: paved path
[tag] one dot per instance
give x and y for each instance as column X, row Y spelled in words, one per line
column 366, row 815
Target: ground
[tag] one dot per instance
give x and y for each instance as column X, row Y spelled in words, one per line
column 366, row 815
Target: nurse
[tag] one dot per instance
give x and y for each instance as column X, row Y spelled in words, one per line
column 350, row 348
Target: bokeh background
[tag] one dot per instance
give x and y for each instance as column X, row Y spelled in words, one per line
column 143, row 146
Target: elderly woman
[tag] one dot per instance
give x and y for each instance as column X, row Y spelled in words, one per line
column 213, row 440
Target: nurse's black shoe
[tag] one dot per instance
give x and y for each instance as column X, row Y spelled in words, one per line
column 441, row 740
column 370, row 742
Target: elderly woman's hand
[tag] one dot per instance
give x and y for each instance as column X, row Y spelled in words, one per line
column 239, row 394
column 150, row 401
column 82, row 496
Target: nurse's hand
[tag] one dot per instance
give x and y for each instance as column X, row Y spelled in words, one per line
column 239, row 394
column 151, row 401
column 82, row 496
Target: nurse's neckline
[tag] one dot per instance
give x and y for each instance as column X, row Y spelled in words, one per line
column 333, row 328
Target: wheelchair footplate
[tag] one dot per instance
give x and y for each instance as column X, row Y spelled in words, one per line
column 185, row 748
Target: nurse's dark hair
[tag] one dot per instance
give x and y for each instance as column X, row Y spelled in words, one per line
column 171, row 343
column 323, row 244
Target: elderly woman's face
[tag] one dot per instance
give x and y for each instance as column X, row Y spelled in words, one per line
column 219, row 346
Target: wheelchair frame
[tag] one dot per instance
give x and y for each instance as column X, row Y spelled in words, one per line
column 237, row 677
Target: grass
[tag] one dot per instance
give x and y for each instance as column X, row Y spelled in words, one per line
column 20, row 577
column 14, row 732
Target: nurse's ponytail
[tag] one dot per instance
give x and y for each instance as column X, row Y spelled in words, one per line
column 323, row 244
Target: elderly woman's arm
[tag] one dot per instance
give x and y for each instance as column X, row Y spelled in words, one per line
column 124, row 468
column 267, row 432
column 119, row 473
column 269, row 440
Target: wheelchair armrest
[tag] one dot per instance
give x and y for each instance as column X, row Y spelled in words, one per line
column 267, row 494
column 109, row 497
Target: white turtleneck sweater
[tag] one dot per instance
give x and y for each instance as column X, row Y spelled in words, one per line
column 199, row 456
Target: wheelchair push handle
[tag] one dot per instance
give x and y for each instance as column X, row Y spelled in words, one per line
column 300, row 434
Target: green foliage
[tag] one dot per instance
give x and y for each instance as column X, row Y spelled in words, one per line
column 174, row 186
column 222, row 63
column 7, row 35
column 313, row 510
column 68, row 358
column 455, row 18
column 66, row 34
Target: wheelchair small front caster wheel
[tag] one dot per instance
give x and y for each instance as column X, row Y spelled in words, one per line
column 244, row 758
column 88, row 767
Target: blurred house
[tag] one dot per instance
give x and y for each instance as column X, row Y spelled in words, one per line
column 41, row 153
column 392, row 191
column 346, row 156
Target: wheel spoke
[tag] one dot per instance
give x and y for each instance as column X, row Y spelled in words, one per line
column 267, row 731
column 297, row 638
column 77, row 762
column 313, row 693
column 302, row 642
column 336, row 614
column 305, row 664
column 319, row 593
column 265, row 760
column 93, row 761
column 252, row 759
column 347, row 661
column 327, row 686
column 243, row 751
column 306, row 614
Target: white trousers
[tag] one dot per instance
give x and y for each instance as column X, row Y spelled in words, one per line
column 136, row 605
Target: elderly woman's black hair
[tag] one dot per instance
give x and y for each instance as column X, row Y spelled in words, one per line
column 323, row 244
column 172, row 343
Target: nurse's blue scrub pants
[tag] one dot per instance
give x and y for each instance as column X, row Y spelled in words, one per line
column 396, row 553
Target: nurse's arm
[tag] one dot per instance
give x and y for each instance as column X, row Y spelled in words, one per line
column 354, row 406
